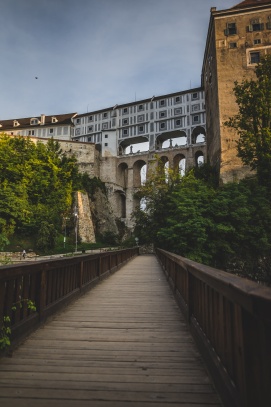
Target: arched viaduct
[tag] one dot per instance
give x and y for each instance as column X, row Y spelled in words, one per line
column 123, row 174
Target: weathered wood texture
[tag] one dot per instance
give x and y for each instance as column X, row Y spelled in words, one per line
column 230, row 318
column 50, row 284
column 124, row 343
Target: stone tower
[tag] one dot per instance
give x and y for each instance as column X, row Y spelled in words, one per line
column 236, row 40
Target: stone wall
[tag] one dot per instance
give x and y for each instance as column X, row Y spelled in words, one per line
column 85, row 224
column 226, row 60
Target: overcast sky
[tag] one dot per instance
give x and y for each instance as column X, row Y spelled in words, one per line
column 93, row 54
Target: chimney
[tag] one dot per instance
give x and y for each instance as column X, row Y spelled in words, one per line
column 42, row 119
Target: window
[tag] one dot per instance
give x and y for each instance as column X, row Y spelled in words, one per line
column 233, row 45
column 89, row 139
column 178, row 111
column 125, row 122
column 54, row 120
column 51, row 131
column 140, row 108
column 125, row 110
column 141, row 118
column 90, row 118
column 141, row 129
column 125, row 132
column 77, row 121
column 90, row 128
column 257, row 41
column 177, row 99
column 178, row 123
column 31, row 132
column 33, row 122
column 162, row 126
column 104, row 115
column 195, row 119
column 106, row 144
column 106, row 136
column 162, row 103
column 163, row 114
column 105, row 126
column 77, row 132
column 196, row 107
column 254, row 57
column 231, row 29
column 255, row 25
column 195, row 95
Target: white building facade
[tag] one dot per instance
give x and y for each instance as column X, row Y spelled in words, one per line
column 59, row 127
column 154, row 120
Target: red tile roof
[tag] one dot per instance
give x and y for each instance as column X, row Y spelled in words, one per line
column 62, row 119
column 248, row 3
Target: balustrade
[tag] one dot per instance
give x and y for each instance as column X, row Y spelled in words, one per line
column 230, row 319
column 50, row 284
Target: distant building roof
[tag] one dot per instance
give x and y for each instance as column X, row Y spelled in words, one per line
column 42, row 120
column 249, row 3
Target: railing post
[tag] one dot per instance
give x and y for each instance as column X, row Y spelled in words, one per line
column 81, row 271
column 42, row 293
column 256, row 336
column 189, row 294
column 100, row 266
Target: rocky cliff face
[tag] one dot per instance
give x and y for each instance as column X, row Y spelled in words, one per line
column 85, row 224
column 95, row 216
column 103, row 214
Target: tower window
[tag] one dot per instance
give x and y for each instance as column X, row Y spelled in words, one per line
column 255, row 25
column 231, row 29
column 254, row 57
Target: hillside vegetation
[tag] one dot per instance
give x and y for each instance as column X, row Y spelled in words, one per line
column 37, row 185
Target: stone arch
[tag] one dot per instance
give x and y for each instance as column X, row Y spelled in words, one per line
column 171, row 139
column 179, row 162
column 122, row 175
column 120, row 203
column 199, row 158
column 198, row 135
column 137, row 173
column 134, row 145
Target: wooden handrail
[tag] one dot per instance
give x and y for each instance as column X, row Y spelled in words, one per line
column 230, row 319
column 50, row 284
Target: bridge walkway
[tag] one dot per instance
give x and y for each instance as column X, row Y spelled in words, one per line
column 124, row 343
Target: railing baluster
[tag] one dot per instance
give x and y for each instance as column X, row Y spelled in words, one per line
column 230, row 318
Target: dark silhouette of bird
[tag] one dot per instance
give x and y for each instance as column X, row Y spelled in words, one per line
column 36, row 77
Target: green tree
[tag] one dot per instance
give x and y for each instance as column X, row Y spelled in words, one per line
column 47, row 236
column 227, row 227
column 37, row 185
column 253, row 121
column 155, row 193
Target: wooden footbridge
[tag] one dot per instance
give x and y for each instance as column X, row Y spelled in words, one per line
column 126, row 342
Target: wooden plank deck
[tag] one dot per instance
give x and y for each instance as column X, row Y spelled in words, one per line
column 124, row 343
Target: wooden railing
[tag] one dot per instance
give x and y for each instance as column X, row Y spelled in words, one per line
column 50, row 284
column 230, row 319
